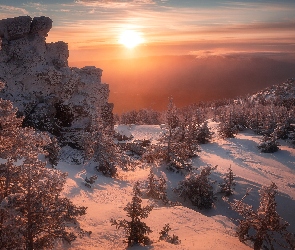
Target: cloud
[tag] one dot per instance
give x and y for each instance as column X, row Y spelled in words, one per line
column 113, row 3
column 11, row 11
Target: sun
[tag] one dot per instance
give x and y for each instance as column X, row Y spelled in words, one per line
column 130, row 38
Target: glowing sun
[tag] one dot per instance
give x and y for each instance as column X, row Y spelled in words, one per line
column 130, row 38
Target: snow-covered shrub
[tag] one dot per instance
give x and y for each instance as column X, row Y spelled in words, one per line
column 137, row 147
column 164, row 235
column 142, row 116
column 33, row 215
column 179, row 164
column 264, row 227
column 91, row 180
column 291, row 138
column 155, row 153
column 268, row 144
column 136, row 230
column 228, row 184
column 198, row 189
column 227, row 129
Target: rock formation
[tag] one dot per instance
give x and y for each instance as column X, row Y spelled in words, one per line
column 50, row 95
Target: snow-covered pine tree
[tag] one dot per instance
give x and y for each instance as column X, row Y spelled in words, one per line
column 198, row 188
column 228, row 184
column 227, row 129
column 53, row 150
column 180, row 145
column 172, row 123
column 189, row 144
column 99, row 145
column 136, row 230
column 203, row 133
column 269, row 144
column 91, row 180
column 32, row 213
column 264, row 227
column 156, row 187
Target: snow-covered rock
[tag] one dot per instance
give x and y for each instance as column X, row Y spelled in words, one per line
column 46, row 91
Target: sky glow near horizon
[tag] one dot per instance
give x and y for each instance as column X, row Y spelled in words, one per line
column 169, row 27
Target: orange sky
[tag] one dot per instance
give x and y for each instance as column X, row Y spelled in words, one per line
column 195, row 28
column 92, row 27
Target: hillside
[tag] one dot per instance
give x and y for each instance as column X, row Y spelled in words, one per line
column 282, row 93
column 197, row 229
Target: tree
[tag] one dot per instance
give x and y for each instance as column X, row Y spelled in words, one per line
column 172, row 121
column 156, row 187
column 203, row 133
column 32, row 212
column 198, row 189
column 99, row 145
column 269, row 144
column 264, row 226
column 227, row 129
column 180, row 144
column 52, row 152
column 136, row 230
column 228, row 183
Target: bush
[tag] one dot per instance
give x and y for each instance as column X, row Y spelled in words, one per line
column 268, row 144
column 227, row 130
column 91, row 180
column 164, row 235
column 198, row 189
column 154, row 153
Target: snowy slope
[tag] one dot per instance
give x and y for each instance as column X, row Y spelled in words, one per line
column 205, row 229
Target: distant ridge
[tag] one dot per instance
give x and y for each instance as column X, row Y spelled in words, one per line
column 279, row 94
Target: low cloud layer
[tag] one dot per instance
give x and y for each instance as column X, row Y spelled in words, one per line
column 148, row 82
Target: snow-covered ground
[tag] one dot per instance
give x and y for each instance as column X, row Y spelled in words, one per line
column 197, row 229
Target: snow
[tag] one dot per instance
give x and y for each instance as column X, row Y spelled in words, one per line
column 197, row 229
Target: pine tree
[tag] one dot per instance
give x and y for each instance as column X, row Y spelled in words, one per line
column 264, row 227
column 227, row 129
column 53, row 150
column 156, row 187
column 136, row 230
column 172, row 121
column 198, row 189
column 32, row 213
column 269, row 144
column 228, row 185
column 203, row 133
column 99, row 145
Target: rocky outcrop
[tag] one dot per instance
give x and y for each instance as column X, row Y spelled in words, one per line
column 47, row 92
